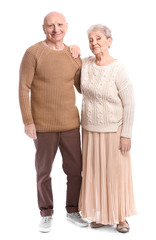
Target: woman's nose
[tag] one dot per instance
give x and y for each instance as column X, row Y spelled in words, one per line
column 94, row 42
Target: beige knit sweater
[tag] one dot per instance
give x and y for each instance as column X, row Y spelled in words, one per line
column 49, row 75
column 107, row 98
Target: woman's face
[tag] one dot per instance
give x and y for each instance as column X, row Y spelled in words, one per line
column 98, row 42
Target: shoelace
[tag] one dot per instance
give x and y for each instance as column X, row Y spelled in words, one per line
column 78, row 214
column 45, row 219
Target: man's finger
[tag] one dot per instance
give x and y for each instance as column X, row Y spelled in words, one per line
column 35, row 135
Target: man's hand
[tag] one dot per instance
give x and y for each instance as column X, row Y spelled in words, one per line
column 30, row 130
column 75, row 51
column 125, row 144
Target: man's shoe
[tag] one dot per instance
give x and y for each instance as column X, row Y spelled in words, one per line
column 76, row 218
column 45, row 224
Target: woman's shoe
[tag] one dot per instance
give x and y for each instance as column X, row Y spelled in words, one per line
column 96, row 225
column 123, row 229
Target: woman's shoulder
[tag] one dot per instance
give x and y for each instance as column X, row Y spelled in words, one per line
column 122, row 76
column 120, row 64
column 122, row 69
column 87, row 60
column 119, row 68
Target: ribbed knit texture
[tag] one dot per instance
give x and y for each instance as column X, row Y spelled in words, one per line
column 50, row 76
column 108, row 98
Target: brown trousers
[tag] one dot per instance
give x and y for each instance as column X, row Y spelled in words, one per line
column 46, row 145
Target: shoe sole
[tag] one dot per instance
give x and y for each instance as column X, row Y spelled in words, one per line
column 76, row 223
column 43, row 230
column 96, row 226
column 123, row 231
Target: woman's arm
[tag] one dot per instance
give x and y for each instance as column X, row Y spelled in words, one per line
column 125, row 90
column 75, row 51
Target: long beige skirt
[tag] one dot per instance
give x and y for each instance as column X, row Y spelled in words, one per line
column 107, row 190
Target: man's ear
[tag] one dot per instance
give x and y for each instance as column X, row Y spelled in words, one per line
column 66, row 27
column 44, row 29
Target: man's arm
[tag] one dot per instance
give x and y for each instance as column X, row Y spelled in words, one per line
column 27, row 70
column 77, row 80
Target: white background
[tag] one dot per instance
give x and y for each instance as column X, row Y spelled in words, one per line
column 134, row 43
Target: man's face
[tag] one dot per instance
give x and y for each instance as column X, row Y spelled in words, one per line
column 55, row 27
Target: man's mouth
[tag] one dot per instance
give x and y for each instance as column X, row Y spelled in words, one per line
column 56, row 34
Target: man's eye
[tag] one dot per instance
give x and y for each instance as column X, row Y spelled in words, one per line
column 60, row 24
column 98, row 38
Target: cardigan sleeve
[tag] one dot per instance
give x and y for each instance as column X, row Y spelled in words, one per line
column 27, row 70
column 125, row 91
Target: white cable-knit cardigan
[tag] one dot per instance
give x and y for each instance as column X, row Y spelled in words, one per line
column 108, row 98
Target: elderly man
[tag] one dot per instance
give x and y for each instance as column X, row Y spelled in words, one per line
column 52, row 120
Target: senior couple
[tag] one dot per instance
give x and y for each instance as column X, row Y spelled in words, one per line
column 103, row 193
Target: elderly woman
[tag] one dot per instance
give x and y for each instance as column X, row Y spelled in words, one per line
column 107, row 116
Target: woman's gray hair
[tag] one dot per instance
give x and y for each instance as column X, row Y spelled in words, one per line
column 102, row 28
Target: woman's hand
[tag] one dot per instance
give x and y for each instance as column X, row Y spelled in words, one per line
column 125, row 144
column 75, row 51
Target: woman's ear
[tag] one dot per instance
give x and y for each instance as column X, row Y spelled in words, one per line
column 109, row 42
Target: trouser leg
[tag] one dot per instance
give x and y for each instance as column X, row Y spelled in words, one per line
column 72, row 165
column 46, row 148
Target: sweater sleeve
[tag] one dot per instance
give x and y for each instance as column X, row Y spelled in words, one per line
column 125, row 90
column 27, row 70
column 77, row 78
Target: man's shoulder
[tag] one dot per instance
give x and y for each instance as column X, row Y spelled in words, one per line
column 77, row 61
column 33, row 49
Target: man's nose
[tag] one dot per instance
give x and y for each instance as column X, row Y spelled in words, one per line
column 55, row 28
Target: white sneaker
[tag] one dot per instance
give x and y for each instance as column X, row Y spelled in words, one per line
column 45, row 224
column 76, row 218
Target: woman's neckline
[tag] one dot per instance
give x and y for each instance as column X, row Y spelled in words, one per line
column 104, row 66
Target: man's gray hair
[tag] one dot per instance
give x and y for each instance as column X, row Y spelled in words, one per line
column 102, row 28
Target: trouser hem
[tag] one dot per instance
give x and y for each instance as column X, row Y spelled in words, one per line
column 46, row 212
column 72, row 209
